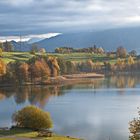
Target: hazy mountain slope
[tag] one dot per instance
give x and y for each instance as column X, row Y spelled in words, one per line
column 23, row 46
column 109, row 39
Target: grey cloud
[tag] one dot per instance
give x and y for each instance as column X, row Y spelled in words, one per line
column 42, row 16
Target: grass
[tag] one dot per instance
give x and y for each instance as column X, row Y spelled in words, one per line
column 59, row 138
column 77, row 57
column 7, row 139
column 14, row 132
column 24, row 133
column 13, row 56
column 28, row 135
column 81, row 57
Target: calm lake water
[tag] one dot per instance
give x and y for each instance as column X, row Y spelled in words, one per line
column 94, row 111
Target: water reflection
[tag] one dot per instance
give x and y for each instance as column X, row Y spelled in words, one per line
column 103, row 106
column 40, row 95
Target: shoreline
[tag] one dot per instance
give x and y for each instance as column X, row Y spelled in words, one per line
column 62, row 80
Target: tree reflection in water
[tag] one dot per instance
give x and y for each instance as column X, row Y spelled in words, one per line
column 40, row 95
column 34, row 94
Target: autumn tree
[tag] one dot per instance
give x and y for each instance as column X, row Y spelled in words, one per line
column 24, row 71
column 39, row 69
column 16, row 71
column 100, row 50
column 135, row 128
column 42, row 51
column 2, row 67
column 120, row 63
column 87, row 66
column 131, row 60
column 53, row 64
column 71, row 67
column 62, row 65
column 33, row 118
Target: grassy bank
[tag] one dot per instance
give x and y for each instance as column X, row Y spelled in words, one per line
column 15, row 134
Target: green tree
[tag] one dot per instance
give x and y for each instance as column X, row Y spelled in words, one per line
column 1, row 45
column 1, row 52
column 32, row 117
column 8, row 47
column 133, row 53
column 34, row 49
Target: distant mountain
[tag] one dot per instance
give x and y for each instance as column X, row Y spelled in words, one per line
column 108, row 39
column 21, row 46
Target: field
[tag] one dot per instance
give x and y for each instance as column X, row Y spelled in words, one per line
column 79, row 57
column 13, row 56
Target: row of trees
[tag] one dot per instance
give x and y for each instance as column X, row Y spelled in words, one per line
column 121, row 65
column 9, row 47
column 40, row 68
column 94, row 49
column 36, row 69
column 120, row 52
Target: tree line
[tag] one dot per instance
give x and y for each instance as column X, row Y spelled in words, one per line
column 41, row 68
column 38, row 68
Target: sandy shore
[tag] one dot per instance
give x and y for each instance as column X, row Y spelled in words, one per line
column 83, row 76
column 73, row 79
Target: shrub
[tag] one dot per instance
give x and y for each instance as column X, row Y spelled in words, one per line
column 33, row 118
column 135, row 128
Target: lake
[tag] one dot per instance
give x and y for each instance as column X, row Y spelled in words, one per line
column 99, row 110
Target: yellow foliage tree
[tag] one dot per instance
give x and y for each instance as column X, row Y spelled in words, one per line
column 54, row 66
column 2, row 68
column 32, row 117
column 120, row 61
column 131, row 60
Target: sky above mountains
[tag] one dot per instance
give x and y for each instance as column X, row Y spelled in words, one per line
column 43, row 16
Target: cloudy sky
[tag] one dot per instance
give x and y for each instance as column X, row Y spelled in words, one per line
column 44, row 16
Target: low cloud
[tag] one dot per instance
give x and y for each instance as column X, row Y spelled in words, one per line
column 44, row 16
column 27, row 37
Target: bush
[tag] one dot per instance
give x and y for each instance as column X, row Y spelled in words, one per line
column 33, row 118
column 135, row 128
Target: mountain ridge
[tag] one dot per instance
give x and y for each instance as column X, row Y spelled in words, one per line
column 108, row 39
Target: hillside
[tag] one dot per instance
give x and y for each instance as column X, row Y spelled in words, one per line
column 108, row 39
